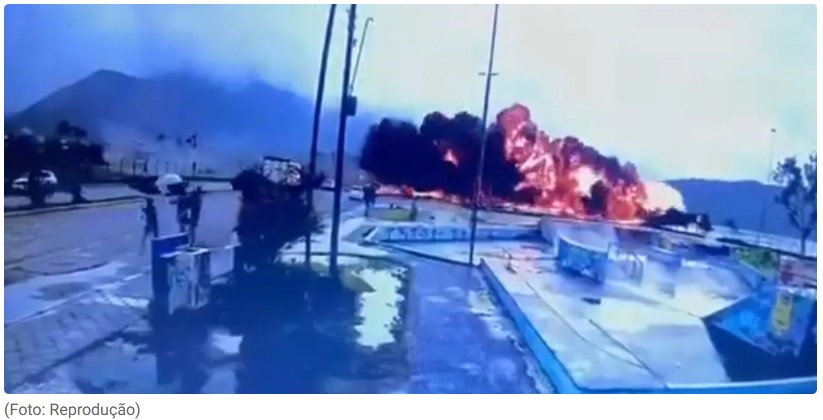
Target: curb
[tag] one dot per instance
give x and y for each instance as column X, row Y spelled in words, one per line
column 89, row 205
column 70, row 207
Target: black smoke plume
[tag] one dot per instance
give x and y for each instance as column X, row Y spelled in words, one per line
column 401, row 154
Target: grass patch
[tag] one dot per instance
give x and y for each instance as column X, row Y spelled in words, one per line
column 765, row 261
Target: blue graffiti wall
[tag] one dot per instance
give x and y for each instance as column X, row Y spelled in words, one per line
column 428, row 233
column 581, row 260
column 775, row 319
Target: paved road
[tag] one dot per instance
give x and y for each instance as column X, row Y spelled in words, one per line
column 51, row 257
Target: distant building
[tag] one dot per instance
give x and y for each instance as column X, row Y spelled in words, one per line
column 281, row 169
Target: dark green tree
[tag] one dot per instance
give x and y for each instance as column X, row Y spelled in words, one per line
column 273, row 303
column 799, row 194
column 272, row 215
column 73, row 163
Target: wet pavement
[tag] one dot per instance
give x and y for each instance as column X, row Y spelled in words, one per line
column 66, row 268
column 419, row 327
column 51, row 258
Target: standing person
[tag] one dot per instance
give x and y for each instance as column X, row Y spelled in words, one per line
column 414, row 210
column 195, row 205
column 182, row 211
column 369, row 193
column 151, row 226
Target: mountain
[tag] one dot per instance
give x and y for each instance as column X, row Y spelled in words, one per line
column 129, row 112
column 741, row 201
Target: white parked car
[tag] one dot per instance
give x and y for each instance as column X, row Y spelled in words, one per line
column 356, row 193
column 47, row 179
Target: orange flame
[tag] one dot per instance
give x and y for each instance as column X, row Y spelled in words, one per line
column 562, row 171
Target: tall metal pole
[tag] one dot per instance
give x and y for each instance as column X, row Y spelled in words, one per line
column 478, row 186
column 318, row 110
column 360, row 52
column 346, row 108
column 764, row 210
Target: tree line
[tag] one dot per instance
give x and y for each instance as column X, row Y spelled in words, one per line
column 67, row 152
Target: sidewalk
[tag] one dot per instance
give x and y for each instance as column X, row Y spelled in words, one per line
column 95, row 194
column 34, row 345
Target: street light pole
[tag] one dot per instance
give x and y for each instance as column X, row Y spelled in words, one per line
column 360, row 52
column 347, row 108
column 764, row 209
column 318, row 110
column 478, row 186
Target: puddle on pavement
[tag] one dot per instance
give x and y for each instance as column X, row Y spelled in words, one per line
column 349, row 340
column 379, row 308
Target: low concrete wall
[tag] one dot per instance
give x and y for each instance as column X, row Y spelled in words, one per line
column 414, row 232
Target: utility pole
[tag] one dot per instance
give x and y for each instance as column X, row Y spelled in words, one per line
column 764, row 209
column 318, row 110
column 478, row 185
column 348, row 107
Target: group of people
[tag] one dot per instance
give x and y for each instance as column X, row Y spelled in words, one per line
column 189, row 206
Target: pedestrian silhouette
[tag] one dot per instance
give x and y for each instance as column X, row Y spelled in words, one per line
column 195, row 206
column 150, row 223
column 369, row 197
column 182, row 203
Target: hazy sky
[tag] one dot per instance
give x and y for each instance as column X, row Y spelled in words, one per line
column 680, row 90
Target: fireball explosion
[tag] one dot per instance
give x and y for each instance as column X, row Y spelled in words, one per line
column 524, row 168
